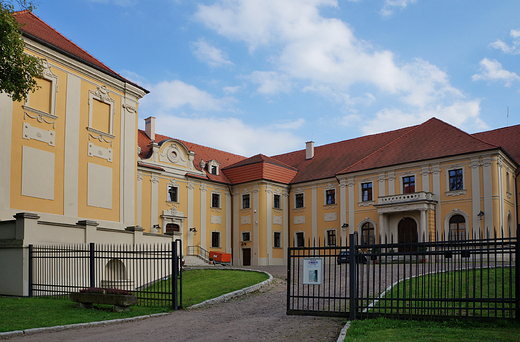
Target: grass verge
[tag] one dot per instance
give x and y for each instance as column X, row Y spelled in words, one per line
column 199, row 285
column 388, row 330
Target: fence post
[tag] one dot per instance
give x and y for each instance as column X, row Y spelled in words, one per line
column 92, row 266
column 288, row 307
column 517, row 274
column 352, row 276
column 179, row 288
column 175, row 264
column 30, row 270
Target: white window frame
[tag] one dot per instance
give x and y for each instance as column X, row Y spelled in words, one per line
column 101, row 94
column 362, row 203
column 455, row 192
column 279, row 201
column 242, row 236
column 325, row 196
column 295, row 202
column 219, row 239
column 213, row 193
column 172, row 184
column 242, row 202
column 401, row 179
column 280, row 239
column 335, row 237
column 213, row 163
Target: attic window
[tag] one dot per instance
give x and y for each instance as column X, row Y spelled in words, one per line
column 213, row 169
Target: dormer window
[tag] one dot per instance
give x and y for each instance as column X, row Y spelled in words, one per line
column 213, row 167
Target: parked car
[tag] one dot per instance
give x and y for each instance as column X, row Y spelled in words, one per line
column 344, row 258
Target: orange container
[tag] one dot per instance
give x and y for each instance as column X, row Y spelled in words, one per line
column 220, row 257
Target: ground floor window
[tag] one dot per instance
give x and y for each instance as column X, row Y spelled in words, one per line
column 215, row 239
column 368, row 236
column 277, row 243
column 331, row 237
column 457, row 228
column 300, row 239
column 246, row 236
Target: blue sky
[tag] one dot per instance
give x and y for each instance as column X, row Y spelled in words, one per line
column 264, row 76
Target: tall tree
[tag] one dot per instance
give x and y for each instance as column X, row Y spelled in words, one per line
column 18, row 70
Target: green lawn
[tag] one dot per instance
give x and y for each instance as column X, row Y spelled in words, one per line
column 421, row 295
column 199, row 285
column 388, row 330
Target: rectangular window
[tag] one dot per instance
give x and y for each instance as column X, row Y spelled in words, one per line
column 366, row 192
column 246, row 236
column 331, row 237
column 456, row 179
column 173, row 194
column 215, row 239
column 330, row 197
column 300, row 239
column 213, row 170
column 277, row 243
column 215, row 200
column 408, row 184
column 276, row 201
column 246, row 201
column 299, row 200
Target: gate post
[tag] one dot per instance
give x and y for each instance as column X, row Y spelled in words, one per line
column 175, row 264
column 30, row 270
column 352, row 276
column 92, row 265
column 517, row 274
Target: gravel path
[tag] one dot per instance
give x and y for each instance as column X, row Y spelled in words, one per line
column 256, row 317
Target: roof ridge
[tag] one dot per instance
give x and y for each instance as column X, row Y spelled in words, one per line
column 61, row 35
column 382, row 147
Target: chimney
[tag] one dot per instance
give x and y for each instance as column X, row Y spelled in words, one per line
column 149, row 127
column 309, row 151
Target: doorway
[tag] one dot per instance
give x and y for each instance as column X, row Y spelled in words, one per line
column 246, row 256
column 407, row 234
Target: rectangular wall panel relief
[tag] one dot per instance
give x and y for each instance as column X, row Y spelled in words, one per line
column 99, row 186
column 216, row 219
column 245, row 219
column 37, row 173
column 330, row 217
column 277, row 220
column 299, row 219
column 100, row 152
column 31, row 132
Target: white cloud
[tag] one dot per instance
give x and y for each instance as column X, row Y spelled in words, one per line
column 462, row 114
column 322, row 53
column 271, row 82
column 175, row 94
column 209, row 54
column 122, row 3
column 240, row 138
column 491, row 70
column 514, row 48
column 390, row 5
column 231, row 90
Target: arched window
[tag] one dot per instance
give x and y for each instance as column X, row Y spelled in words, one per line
column 172, row 228
column 367, row 231
column 115, row 270
column 457, row 228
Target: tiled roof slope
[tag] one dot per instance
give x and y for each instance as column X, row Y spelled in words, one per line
column 260, row 167
column 508, row 138
column 36, row 29
column 332, row 158
column 201, row 153
column 431, row 139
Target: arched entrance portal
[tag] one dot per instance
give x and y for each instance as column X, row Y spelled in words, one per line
column 407, row 233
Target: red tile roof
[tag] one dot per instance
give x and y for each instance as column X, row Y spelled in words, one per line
column 260, row 167
column 429, row 140
column 330, row 159
column 508, row 138
column 36, row 29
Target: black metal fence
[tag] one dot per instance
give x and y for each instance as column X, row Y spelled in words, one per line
column 475, row 279
column 151, row 272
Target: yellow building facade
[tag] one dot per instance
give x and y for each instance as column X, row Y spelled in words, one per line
column 76, row 169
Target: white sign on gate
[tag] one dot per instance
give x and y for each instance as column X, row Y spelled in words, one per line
column 312, row 271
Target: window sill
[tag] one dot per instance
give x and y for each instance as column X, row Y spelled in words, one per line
column 366, row 203
column 455, row 192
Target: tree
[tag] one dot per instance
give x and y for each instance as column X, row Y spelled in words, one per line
column 18, row 70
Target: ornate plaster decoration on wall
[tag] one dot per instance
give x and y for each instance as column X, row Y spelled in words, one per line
column 216, row 219
column 245, row 219
column 130, row 109
column 154, row 178
column 48, row 75
column 330, row 217
column 299, row 220
column 202, row 164
column 100, row 152
column 203, row 187
column 190, row 185
column 173, row 212
column 101, row 137
column 173, row 154
column 277, row 220
column 40, row 117
column 30, row 132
